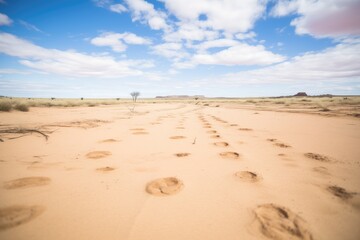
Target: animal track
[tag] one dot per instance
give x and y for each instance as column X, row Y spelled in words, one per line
column 137, row 129
column 230, row 155
column 182, row 154
column 248, row 176
column 340, row 192
column 221, row 144
column 280, row 223
column 322, row 170
column 282, row 145
column 110, row 140
column 16, row 215
column 245, row 129
column 215, row 136
column 27, row 182
column 317, row 157
column 212, row 131
column 98, row 154
column 105, row 169
column 164, row 186
column 177, row 137
column 140, row 133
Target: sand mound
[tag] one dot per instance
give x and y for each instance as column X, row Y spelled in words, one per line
column 177, row 137
column 280, row 223
column 221, row 144
column 27, row 182
column 105, row 169
column 16, row 215
column 164, row 186
column 341, row 192
column 317, row 157
column 248, row 176
column 98, row 154
column 231, row 155
column 182, row 154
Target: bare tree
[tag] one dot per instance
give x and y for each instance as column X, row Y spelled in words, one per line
column 135, row 95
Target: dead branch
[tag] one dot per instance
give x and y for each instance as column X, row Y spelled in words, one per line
column 23, row 131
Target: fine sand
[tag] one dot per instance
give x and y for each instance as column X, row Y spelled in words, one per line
column 178, row 171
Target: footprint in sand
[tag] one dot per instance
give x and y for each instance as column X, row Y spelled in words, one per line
column 282, row 145
column 140, row 133
column 317, row 157
column 98, row 154
column 137, row 129
column 105, row 169
column 110, row 140
column 215, row 136
column 245, row 129
column 340, row 192
column 16, row 215
column 230, row 155
column 164, row 186
column 221, row 144
column 182, row 154
column 177, row 137
column 322, row 170
column 280, row 223
column 212, row 131
column 248, row 176
column 27, row 182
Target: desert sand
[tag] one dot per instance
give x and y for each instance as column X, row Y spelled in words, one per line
column 179, row 171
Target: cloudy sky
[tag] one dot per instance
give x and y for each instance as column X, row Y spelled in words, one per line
column 233, row 48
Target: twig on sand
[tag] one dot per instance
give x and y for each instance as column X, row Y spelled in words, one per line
column 23, row 131
column 194, row 141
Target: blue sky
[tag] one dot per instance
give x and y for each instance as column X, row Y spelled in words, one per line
column 229, row 48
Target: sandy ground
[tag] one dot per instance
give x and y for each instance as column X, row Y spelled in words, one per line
column 177, row 171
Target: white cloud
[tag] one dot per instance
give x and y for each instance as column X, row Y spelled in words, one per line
column 117, row 40
column 243, row 36
column 218, row 43
column 145, row 12
column 331, row 18
column 30, row 27
column 5, row 20
column 238, row 54
column 225, row 15
column 192, row 32
column 339, row 63
column 68, row 63
column 173, row 51
column 118, row 8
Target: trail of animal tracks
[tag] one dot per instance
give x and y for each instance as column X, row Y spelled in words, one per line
column 178, row 171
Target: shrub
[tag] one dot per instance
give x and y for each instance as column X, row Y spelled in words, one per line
column 5, row 106
column 22, row 107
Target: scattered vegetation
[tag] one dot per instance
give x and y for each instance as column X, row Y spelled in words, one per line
column 5, row 106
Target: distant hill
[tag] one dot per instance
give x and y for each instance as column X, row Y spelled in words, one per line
column 181, row 96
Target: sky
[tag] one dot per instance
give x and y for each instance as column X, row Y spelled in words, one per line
column 216, row 48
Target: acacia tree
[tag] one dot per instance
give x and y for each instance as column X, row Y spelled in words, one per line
column 134, row 96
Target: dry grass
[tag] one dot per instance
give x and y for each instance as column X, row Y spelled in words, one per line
column 322, row 105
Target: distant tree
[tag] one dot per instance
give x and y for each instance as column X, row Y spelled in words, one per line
column 135, row 95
